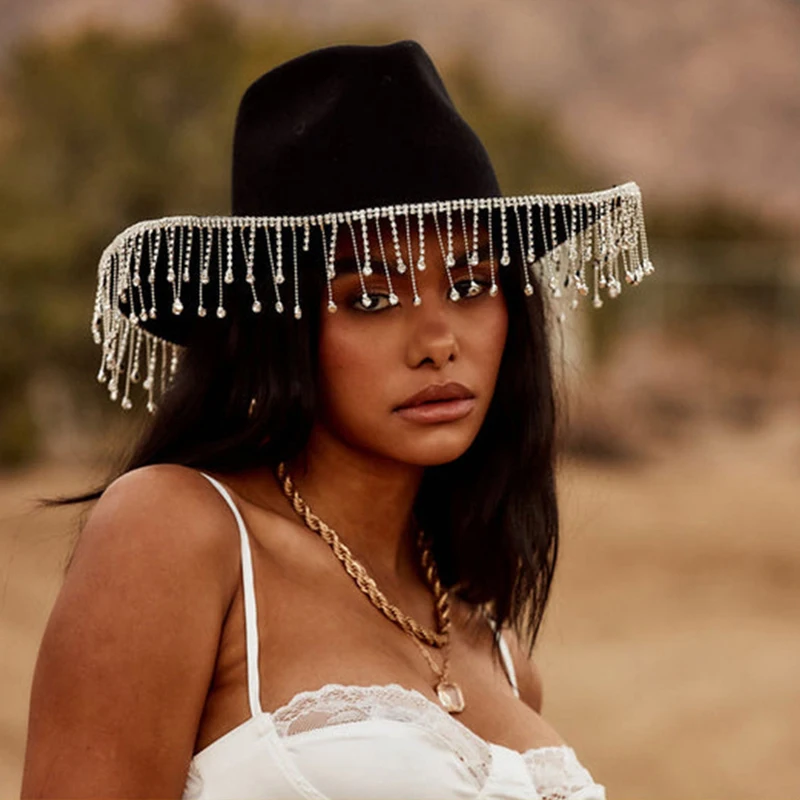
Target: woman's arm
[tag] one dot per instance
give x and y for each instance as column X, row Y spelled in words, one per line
column 130, row 646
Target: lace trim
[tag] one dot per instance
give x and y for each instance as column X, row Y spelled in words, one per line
column 555, row 770
column 338, row 704
column 557, row 773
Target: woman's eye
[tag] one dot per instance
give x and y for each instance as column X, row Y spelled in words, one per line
column 370, row 302
column 473, row 288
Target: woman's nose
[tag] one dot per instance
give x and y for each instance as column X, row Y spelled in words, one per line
column 431, row 334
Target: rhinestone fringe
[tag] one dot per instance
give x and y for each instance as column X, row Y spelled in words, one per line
column 610, row 247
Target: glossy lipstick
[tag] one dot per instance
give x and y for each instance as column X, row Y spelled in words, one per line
column 445, row 402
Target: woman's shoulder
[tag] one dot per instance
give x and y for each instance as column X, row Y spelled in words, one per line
column 131, row 644
column 154, row 476
column 168, row 494
column 165, row 511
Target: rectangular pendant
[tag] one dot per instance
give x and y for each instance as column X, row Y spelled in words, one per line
column 450, row 696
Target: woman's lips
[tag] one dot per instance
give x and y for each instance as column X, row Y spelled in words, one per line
column 441, row 411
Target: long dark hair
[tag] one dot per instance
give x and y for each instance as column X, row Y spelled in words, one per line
column 491, row 513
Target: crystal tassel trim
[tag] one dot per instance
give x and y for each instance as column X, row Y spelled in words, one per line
column 602, row 233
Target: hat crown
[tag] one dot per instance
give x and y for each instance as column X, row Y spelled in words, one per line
column 353, row 126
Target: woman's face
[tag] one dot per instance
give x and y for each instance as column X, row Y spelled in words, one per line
column 373, row 359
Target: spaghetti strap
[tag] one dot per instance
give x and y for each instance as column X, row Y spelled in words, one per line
column 505, row 655
column 250, row 615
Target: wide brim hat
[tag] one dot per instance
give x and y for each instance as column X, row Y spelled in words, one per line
column 364, row 142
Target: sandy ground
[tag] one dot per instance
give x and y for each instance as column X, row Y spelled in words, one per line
column 670, row 651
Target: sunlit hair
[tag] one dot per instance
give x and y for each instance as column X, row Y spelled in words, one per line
column 491, row 513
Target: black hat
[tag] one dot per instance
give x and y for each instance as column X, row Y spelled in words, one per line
column 361, row 137
column 353, row 127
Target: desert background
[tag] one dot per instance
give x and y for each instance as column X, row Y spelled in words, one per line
column 670, row 651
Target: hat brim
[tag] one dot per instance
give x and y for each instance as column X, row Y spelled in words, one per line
column 160, row 279
column 175, row 273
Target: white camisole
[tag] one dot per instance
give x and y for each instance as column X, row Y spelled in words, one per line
column 379, row 742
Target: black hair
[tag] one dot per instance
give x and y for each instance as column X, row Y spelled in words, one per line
column 491, row 514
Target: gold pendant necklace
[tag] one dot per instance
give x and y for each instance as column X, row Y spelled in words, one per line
column 449, row 693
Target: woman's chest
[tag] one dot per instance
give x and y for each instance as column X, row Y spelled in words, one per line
column 335, row 636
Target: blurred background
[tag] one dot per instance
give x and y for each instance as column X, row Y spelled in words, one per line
column 670, row 650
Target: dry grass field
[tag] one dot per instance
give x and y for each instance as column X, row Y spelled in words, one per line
column 670, row 651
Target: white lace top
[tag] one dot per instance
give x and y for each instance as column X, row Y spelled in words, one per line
column 380, row 742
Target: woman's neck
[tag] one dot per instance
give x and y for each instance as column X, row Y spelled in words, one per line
column 367, row 500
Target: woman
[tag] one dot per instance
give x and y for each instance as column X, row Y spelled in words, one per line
column 353, row 425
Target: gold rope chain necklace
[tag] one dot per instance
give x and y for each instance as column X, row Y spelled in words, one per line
column 449, row 693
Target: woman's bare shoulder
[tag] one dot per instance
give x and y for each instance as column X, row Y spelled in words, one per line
column 165, row 506
column 129, row 650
